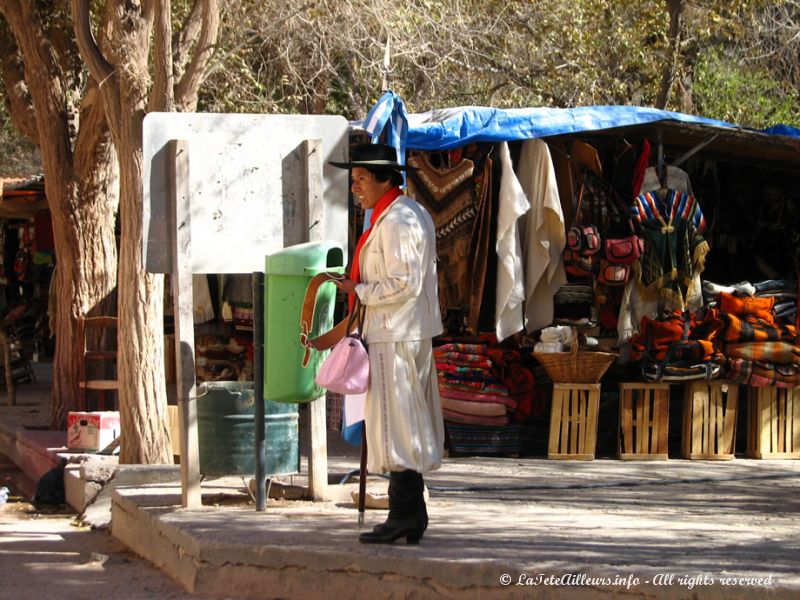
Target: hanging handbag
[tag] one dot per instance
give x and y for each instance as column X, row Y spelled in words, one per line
column 613, row 275
column 583, row 239
column 346, row 370
column 577, row 264
column 624, row 251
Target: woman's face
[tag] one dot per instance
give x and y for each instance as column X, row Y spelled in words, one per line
column 365, row 189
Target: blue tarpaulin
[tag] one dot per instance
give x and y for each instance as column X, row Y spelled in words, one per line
column 447, row 128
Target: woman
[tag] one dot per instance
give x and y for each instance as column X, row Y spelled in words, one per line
column 394, row 275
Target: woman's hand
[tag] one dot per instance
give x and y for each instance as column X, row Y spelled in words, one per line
column 348, row 286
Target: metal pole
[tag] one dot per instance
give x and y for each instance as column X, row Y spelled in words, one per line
column 258, row 388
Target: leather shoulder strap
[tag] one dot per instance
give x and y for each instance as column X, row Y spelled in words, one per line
column 329, row 338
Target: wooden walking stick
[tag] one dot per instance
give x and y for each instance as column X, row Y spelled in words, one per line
column 362, row 478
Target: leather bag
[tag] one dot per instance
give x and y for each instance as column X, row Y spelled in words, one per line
column 577, row 264
column 346, row 370
column 584, row 239
column 613, row 275
column 624, row 251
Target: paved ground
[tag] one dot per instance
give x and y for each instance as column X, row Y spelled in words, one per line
column 47, row 553
column 500, row 528
column 672, row 530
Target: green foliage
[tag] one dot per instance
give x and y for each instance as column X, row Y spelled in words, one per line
column 20, row 157
column 749, row 95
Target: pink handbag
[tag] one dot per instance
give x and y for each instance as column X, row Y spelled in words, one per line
column 346, row 370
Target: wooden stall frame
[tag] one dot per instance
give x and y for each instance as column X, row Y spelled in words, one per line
column 773, row 422
column 573, row 421
column 643, row 421
column 709, row 420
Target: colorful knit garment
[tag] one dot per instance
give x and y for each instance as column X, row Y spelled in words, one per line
column 674, row 247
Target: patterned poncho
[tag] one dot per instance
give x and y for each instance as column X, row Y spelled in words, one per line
column 672, row 226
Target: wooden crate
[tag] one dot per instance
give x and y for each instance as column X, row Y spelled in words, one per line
column 709, row 420
column 773, row 422
column 643, row 421
column 573, row 421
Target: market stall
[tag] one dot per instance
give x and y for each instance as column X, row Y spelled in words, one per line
column 565, row 237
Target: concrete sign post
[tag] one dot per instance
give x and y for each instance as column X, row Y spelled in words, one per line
column 221, row 192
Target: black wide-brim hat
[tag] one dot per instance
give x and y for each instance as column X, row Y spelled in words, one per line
column 372, row 156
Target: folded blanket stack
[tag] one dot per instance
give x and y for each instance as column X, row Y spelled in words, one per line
column 756, row 334
column 469, row 390
column 671, row 340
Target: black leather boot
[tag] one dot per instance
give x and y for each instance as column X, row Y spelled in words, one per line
column 423, row 507
column 405, row 516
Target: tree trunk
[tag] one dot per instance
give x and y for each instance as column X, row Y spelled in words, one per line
column 142, row 390
column 143, row 401
column 675, row 8
column 125, row 74
column 79, row 166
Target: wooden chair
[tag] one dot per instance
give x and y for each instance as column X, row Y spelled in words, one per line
column 90, row 360
column 15, row 365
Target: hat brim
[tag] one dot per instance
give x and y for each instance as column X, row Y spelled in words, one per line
column 385, row 165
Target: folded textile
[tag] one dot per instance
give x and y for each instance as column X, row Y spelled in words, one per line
column 484, row 378
column 743, row 306
column 477, row 396
column 459, row 347
column 574, row 293
column 780, row 296
column 457, row 417
column 463, row 384
column 731, row 328
column 486, row 387
column 771, row 285
column 558, row 333
column 576, row 322
column 758, row 374
column 781, row 353
column 784, row 308
column 474, row 371
column 663, row 339
column 548, row 347
column 480, row 409
column 744, row 288
column 463, row 359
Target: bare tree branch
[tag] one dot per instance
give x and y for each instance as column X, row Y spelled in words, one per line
column 162, row 96
column 17, row 96
column 189, row 84
column 99, row 67
column 186, row 37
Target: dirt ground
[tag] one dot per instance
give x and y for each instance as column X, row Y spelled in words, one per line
column 47, row 553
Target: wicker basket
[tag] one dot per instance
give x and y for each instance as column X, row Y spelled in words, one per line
column 574, row 366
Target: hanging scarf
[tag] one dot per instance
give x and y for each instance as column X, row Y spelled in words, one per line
column 383, row 203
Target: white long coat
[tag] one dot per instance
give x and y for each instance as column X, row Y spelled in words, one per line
column 399, row 287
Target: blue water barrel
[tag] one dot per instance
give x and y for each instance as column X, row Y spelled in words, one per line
column 226, row 436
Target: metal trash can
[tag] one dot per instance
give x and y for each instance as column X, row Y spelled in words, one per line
column 287, row 274
column 226, row 432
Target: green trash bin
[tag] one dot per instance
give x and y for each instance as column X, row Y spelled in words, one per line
column 226, row 435
column 287, row 274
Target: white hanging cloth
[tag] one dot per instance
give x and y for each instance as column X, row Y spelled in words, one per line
column 201, row 296
column 510, row 291
column 544, row 236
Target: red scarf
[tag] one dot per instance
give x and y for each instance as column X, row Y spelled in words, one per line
column 382, row 204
